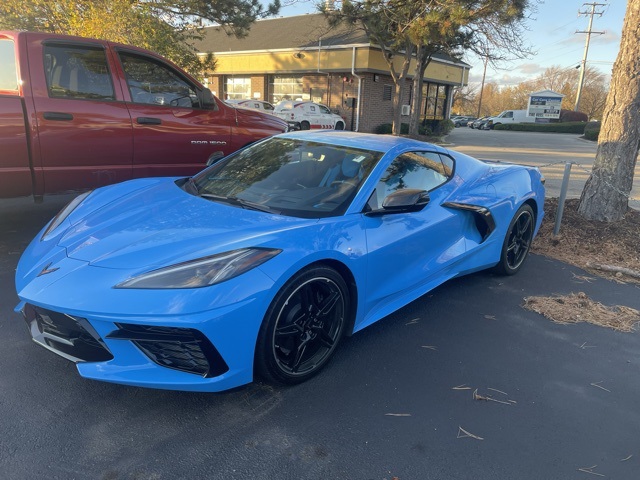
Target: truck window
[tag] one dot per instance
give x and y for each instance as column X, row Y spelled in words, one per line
column 77, row 72
column 153, row 83
column 8, row 73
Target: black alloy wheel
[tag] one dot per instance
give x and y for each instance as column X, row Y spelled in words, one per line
column 303, row 326
column 304, row 125
column 339, row 126
column 517, row 242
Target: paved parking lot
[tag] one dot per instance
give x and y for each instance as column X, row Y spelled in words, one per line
column 387, row 406
column 550, row 151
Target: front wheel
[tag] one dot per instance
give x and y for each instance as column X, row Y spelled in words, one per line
column 339, row 126
column 304, row 125
column 303, row 326
column 517, row 241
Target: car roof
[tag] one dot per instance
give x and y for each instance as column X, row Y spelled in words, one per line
column 369, row 141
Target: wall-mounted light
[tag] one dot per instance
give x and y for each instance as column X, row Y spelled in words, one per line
column 298, row 55
column 376, row 77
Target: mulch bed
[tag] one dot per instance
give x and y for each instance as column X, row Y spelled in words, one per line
column 593, row 246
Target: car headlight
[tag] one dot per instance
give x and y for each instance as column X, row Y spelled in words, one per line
column 203, row 272
column 64, row 213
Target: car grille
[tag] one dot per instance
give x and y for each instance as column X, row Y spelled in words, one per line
column 70, row 337
column 184, row 349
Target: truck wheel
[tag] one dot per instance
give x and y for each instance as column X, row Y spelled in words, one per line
column 305, row 125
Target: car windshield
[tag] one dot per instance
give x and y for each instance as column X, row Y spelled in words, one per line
column 288, row 176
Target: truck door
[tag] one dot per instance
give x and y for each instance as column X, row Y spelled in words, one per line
column 172, row 133
column 84, row 131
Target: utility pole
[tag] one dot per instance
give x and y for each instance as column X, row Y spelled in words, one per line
column 589, row 32
column 484, row 74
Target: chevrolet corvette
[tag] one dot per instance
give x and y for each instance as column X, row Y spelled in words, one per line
column 257, row 266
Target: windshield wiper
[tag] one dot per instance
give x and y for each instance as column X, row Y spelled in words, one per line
column 239, row 202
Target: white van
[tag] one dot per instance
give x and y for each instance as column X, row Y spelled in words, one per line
column 509, row 116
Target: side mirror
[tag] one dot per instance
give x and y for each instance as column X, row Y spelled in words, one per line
column 214, row 157
column 402, row 201
column 207, row 100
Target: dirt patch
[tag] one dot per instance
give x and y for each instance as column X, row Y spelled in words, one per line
column 593, row 246
column 578, row 307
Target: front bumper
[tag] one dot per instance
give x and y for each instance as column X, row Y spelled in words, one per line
column 192, row 339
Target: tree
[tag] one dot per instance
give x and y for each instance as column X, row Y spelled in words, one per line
column 386, row 23
column 492, row 28
column 415, row 30
column 605, row 196
column 164, row 26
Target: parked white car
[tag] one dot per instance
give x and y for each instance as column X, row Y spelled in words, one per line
column 255, row 104
column 308, row 115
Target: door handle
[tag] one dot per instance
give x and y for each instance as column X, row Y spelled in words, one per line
column 57, row 116
column 148, row 121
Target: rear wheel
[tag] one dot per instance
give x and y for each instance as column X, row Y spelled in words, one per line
column 339, row 126
column 304, row 125
column 517, row 242
column 303, row 326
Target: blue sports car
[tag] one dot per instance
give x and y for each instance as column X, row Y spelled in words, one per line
column 261, row 263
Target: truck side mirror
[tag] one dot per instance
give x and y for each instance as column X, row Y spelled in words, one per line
column 207, row 100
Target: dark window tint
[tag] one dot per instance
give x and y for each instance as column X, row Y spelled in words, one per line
column 77, row 72
column 420, row 170
column 154, row 83
column 8, row 73
column 291, row 177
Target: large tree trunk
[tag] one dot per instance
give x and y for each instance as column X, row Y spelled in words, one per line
column 605, row 197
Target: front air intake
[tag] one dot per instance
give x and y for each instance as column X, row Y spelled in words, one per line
column 184, row 349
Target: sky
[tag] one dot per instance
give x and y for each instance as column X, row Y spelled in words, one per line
column 552, row 35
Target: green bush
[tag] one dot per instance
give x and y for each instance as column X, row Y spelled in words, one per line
column 592, row 130
column 444, row 127
column 567, row 127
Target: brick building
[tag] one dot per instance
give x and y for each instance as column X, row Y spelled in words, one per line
column 301, row 57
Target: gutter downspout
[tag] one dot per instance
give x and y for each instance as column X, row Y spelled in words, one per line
column 353, row 72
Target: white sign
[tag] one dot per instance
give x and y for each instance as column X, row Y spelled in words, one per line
column 544, row 107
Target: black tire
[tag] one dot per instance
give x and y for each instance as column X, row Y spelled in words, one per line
column 304, row 125
column 517, row 241
column 302, row 326
column 339, row 126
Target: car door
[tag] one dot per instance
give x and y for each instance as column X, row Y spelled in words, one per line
column 83, row 126
column 327, row 118
column 409, row 251
column 172, row 133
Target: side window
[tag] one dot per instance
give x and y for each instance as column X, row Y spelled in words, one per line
column 508, row 115
column 268, row 106
column 153, row 83
column 324, row 110
column 420, row 170
column 79, row 72
column 8, row 72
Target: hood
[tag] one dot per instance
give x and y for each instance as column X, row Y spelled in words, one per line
column 163, row 225
column 253, row 116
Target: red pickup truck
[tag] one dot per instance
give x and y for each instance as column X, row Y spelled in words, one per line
column 79, row 113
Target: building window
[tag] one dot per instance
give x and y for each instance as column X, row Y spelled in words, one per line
column 288, row 88
column 387, row 92
column 435, row 97
column 238, row 88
